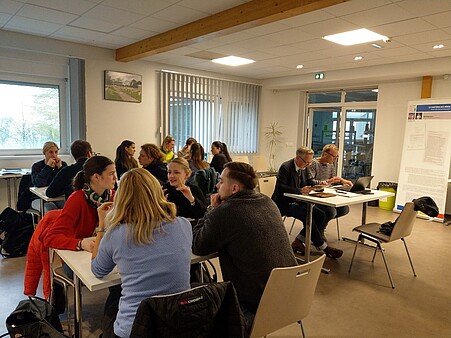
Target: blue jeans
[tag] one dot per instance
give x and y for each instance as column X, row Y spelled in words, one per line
column 299, row 211
column 332, row 212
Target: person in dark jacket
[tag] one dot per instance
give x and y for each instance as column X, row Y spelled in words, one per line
column 43, row 172
column 246, row 229
column 151, row 158
column 221, row 156
column 62, row 182
column 188, row 198
column 124, row 157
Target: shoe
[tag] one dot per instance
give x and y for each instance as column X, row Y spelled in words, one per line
column 298, row 247
column 332, row 252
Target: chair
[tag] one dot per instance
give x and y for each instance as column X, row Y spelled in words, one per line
column 259, row 163
column 402, row 228
column 287, row 297
column 57, row 275
column 209, row 310
column 267, row 185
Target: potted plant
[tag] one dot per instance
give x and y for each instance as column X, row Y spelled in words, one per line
column 273, row 138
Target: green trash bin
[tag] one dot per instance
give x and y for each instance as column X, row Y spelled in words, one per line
column 389, row 202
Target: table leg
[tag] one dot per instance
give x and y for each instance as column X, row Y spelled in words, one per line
column 8, row 189
column 78, row 308
column 42, row 207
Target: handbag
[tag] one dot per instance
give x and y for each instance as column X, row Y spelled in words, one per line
column 34, row 317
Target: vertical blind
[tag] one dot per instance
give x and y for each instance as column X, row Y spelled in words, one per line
column 210, row 109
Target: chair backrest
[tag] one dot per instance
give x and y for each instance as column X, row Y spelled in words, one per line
column 404, row 224
column 267, row 185
column 259, row 163
column 240, row 158
column 287, row 297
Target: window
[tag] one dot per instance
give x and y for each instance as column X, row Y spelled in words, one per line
column 210, row 109
column 29, row 116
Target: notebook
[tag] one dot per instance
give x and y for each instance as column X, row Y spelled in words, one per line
column 359, row 186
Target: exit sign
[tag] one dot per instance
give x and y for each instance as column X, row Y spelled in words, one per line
column 319, row 76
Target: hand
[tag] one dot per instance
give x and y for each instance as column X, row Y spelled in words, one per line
column 186, row 191
column 306, row 190
column 51, row 162
column 334, row 179
column 346, row 182
column 102, row 210
column 58, row 162
column 215, row 200
column 87, row 244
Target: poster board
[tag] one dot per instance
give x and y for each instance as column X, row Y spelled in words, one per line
column 425, row 162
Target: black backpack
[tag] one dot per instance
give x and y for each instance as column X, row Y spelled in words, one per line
column 16, row 229
column 25, row 195
column 206, row 180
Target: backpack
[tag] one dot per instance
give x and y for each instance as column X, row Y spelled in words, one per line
column 206, row 180
column 34, row 317
column 25, row 195
column 16, row 229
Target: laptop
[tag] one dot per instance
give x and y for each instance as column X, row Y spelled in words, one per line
column 359, row 186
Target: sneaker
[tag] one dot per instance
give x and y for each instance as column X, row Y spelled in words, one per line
column 298, row 247
column 332, row 252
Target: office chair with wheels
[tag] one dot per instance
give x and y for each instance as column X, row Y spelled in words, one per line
column 287, row 297
column 402, row 228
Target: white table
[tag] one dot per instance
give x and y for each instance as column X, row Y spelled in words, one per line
column 40, row 192
column 340, row 200
column 80, row 263
column 12, row 175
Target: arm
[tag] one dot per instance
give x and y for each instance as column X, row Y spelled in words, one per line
column 284, row 181
column 59, row 183
column 40, row 175
column 207, row 237
column 103, row 263
column 101, row 211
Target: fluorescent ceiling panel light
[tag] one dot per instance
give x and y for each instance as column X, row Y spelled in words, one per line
column 299, row 66
column 357, row 58
column 233, row 61
column 355, row 37
column 375, row 45
column 438, row 46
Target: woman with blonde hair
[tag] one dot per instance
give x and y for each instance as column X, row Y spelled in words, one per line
column 188, row 198
column 150, row 246
column 167, row 148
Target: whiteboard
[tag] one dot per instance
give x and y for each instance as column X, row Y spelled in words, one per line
column 425, row 162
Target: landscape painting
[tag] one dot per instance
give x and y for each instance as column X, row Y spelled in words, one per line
column 121, row 86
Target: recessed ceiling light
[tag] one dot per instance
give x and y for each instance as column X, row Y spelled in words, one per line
column 375, row 45
column 299, row 66
column 357, row 58
column 375, row 90
column 355, row 37
column 233, row 61
column 438, row 46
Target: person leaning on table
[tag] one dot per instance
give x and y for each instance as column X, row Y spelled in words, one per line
column 247, row 231
column 294, row 177
column 150, row 246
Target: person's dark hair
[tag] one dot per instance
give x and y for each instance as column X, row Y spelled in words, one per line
column 223, row 149
column 190, row 140
column 197, row 156
column 152, row 151
column 93, row 165
column 80, row 149
column 243, row 173
column 123, row 157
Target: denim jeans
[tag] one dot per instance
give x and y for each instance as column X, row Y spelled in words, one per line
column 299, row 211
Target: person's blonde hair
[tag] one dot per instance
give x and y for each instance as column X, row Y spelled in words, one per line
column 182, row 162
column 168, row 139
column 48, row 145
column 139, row 202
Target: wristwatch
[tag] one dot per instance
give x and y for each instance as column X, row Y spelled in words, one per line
column 193, row 203
column 79, row 248
column 99, row 229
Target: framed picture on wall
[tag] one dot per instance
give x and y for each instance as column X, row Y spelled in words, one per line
column 126, row 87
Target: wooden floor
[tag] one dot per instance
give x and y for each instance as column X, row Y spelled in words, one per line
column 359, row 304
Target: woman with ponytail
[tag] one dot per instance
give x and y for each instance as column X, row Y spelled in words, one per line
column 221, row 156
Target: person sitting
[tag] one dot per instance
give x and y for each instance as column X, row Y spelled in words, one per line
column 43, row 172
column 62, row 182
column 246, row 229
column 124, row 157
column 185, row 151
column 196, row 161
column 72, row 227
column 167, row 148
column 324, row 171
column 188, row 198
column 221, row 156
column 151, row 158
column 150, row 246
column 293, row 177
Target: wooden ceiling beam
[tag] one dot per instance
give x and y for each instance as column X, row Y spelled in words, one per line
column 251, row 14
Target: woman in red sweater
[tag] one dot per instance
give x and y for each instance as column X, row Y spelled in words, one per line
column 74, row 227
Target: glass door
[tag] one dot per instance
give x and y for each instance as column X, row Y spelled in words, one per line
column 357, row 148
column 325, row 127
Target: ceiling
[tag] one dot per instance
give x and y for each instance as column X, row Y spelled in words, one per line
column 414, row 27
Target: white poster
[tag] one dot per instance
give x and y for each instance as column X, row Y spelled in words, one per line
column 425, row 163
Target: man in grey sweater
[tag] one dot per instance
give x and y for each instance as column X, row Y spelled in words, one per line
column 246, row 229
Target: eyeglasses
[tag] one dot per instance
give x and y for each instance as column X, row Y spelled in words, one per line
column 307, row 163
column 334, row 156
